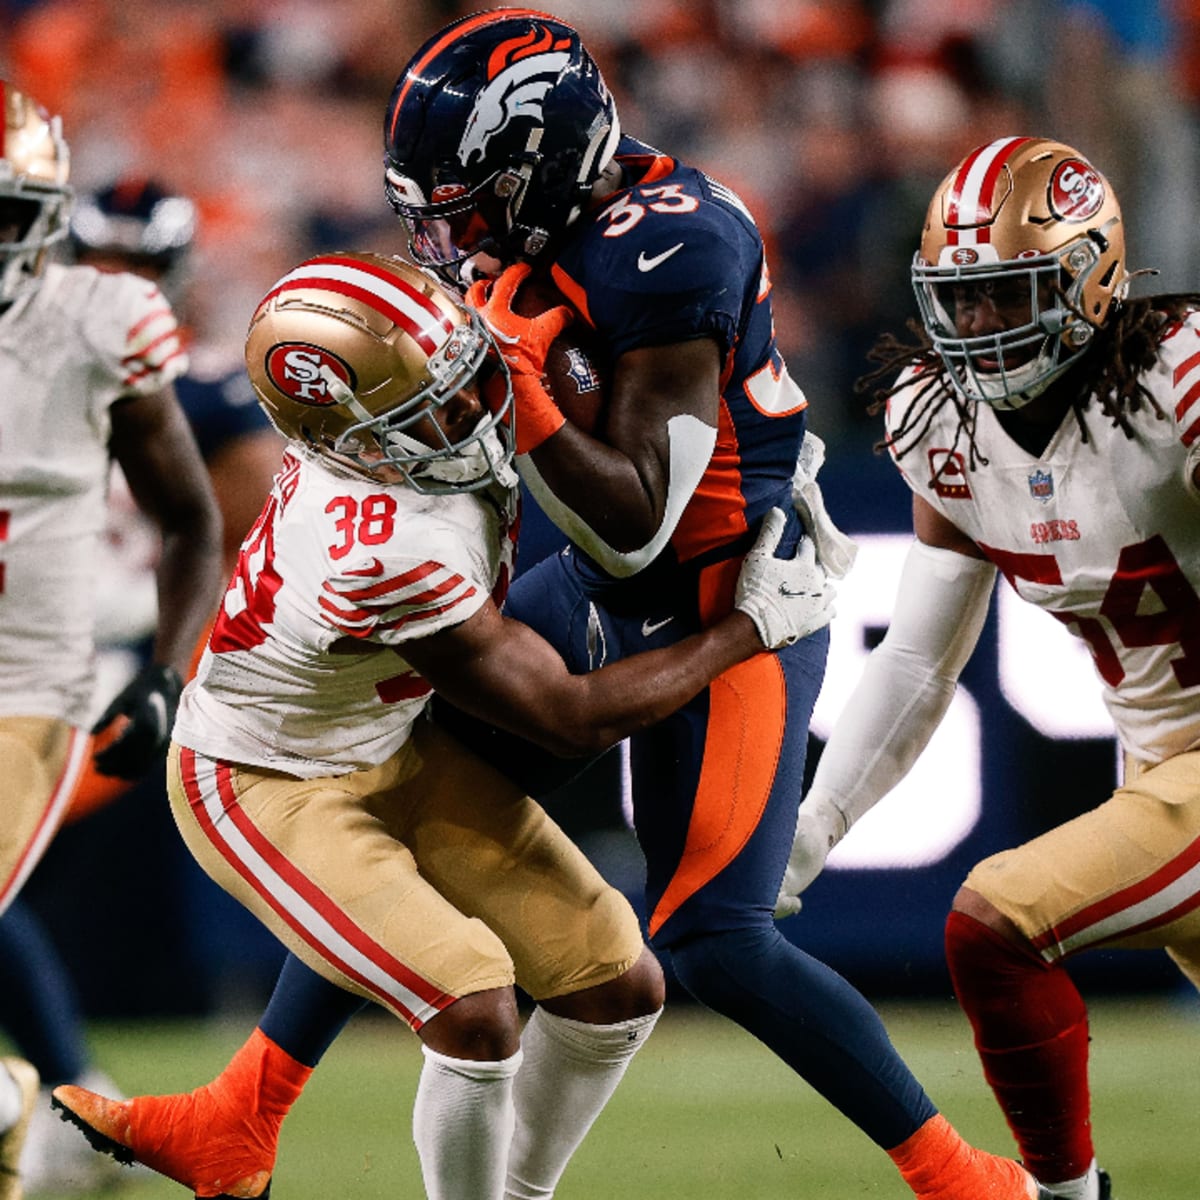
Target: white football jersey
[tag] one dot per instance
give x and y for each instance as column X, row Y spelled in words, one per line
column 303, row 672
column 1103, row 534
column 69, row 349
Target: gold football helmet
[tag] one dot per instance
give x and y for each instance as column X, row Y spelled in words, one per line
column 351, row 353
column 1033, row 222
column 34, row 197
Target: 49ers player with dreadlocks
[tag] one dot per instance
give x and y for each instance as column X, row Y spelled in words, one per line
column 1050, row 431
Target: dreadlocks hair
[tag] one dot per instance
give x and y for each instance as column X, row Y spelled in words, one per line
column 1123, row 349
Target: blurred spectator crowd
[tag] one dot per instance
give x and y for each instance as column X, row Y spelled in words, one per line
column 835, row 119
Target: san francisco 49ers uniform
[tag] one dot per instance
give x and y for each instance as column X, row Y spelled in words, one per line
column 69, row 349
column 1103, row 533
column 306, row 783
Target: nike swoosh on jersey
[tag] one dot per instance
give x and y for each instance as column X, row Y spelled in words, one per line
column 649, row 263
column 649, row 627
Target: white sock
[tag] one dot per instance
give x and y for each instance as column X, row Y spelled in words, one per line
column 11, row 1100
column 571, row 1069
column 463, row 1124
column 1085, row 1187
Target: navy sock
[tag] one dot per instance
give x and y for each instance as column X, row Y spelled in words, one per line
column 811, row 1018
column 306, row 1012
column 39, row 1009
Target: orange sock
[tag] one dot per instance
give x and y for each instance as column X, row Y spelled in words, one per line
column 938, row 1165
column 219, row 1140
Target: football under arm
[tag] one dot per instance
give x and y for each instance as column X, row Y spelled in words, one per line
column 906, row 686
column 691, row 444
column 620, row 498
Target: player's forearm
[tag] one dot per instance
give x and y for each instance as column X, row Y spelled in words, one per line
column 600, row 485
column 909, row 680
column 189, row 587
column 618, row 514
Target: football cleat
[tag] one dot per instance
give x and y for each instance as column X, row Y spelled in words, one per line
column 25, row 1076
column 1105, row 1186
column 174, row 1136
column 56, row 1160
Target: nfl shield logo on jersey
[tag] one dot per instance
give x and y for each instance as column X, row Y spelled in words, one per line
column 580, row 369
column 1041, row 485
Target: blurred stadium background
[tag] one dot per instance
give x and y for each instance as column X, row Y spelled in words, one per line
column 835, row 119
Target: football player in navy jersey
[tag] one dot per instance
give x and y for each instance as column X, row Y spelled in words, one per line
column 504, row 157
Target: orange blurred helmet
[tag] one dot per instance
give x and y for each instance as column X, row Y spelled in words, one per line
column 347, row 352
column 1034, row 216
column 34, row 165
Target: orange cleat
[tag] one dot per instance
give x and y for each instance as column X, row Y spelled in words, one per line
column 189, row 1138
column 219, row 1140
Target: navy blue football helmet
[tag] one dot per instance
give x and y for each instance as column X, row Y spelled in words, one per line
column 138, row 224
column 494, row 135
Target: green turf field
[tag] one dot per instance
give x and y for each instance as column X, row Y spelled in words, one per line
column 705, row 1111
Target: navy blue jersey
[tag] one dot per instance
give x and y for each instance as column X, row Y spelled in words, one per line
column 675, row 256
column 220, row 407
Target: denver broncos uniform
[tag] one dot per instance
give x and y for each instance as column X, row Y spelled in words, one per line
column 303, row 719
column 69, row 349
column 1101, row 533
column 674, row 256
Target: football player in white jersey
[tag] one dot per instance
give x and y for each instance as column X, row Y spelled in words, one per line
column 1050, row 431
column 308, row 781
column 86, row 369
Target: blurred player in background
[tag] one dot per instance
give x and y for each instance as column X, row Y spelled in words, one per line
column 137, row 225
column 86, row 369
column 1049, row 427
column 133, row 225
column 307, row 781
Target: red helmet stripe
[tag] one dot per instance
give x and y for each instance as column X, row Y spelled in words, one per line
column 390, row 295
column 969, row 202
column 457, row 30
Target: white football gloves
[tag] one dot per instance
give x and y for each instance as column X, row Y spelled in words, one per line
column 786, row 598
column 820, row 825
column 835, row 550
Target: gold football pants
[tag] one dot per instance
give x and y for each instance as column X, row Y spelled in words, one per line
column 40, row 761
column 413, row 883
column 1126, row 874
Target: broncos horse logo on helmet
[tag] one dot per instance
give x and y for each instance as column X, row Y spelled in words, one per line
column 494, row 136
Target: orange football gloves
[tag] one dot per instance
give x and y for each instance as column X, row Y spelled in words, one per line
column 524, row 342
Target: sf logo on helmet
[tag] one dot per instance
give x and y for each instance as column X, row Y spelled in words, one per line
column 515, row 91
column 296, row 370
column 1076, row 190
